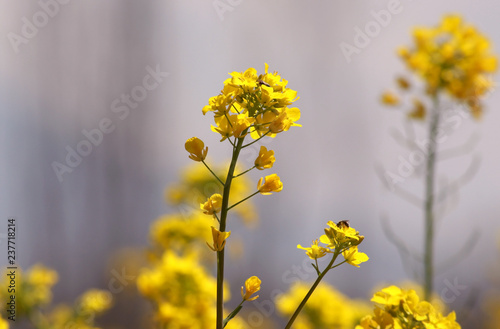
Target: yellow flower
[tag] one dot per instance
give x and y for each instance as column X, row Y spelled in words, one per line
column 195, row 147
column 213, row 205
column 265, row 159
column 96, row 301
column 389, row 98
column 353, row 257
column 4, row 324
column 315, row 251
column 249, row 100
column 219, row 239
column 341, row 236
column 252, row 285
column 396, row 306
column 271, row 184
column 452, row 57
column 418, row 111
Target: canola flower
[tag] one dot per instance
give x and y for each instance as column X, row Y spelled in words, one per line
column 453, row 61
column 249, row 105
column 399, row 308
column 339, row 238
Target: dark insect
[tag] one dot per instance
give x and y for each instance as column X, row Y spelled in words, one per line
column 264, row 83
column 343, row 223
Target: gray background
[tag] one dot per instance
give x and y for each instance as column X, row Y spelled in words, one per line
column 65, row 78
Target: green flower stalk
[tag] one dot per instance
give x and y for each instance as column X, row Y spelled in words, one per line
column 454, row 60
column 249, row 105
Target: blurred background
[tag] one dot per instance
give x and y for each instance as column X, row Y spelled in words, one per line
column 70, row 74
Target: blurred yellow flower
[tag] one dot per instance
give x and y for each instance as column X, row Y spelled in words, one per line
column 219, row 239
column 213, row 205
column 389, row 98
column 252, row 285
column 327, row 307
column 265, row 159
column 96, row 301
column 3, row 324
column 269, row 184
column 196, row 148
column 454, row 57
column 418, row 111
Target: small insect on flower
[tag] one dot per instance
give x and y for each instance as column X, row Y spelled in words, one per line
column 264, row 83
column 343, row 223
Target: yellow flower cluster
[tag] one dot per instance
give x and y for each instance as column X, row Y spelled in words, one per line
column 93, row 302
column 398, row 308
column 182, row 291
column 180, row 232
column 253, row 103
column 34, row 295
column 453, row 57
column 34, row 288
column 342, row 238
column 327, row 307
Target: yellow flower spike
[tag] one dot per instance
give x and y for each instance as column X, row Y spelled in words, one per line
column 353, row 257
column 389, row 98
column 265, row 159
column 269, row 184
column 196, row 148
column 219, row 239
column 252, row 285
column 315, row 251
column 341, row 235
column 213, row 205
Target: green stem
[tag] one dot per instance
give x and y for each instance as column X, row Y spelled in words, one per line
column 216, row 177
column 310, row 292
column 244, row 172
column 258, row 139
column 237, row 203
column 222, row 228
column 429, row 201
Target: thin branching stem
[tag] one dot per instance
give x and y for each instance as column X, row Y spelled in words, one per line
column 429, row 200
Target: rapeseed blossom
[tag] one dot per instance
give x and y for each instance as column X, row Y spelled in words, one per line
column 315, row 251
column 453, row 59
column 398, row 308
column 196, row 148
column 253, row 103
column 265, row 159
column 213, row 205
column 252, row 285
column 269, row 184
